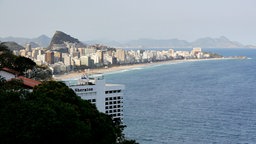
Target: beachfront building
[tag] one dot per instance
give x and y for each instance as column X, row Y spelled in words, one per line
column 120, row 55
column 108, row 98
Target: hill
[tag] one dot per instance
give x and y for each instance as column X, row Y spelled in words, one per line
column 13, row 46
column 61, row 39
column 207, row 42
column 221, row 42
column 42, row 41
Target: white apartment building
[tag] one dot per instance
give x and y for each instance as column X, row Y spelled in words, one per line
column 108, row 98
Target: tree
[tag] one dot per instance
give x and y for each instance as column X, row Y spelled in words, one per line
column 7, row 60
column 40, row 73
column 4, row 48
column 22, row 64
column 52, row 114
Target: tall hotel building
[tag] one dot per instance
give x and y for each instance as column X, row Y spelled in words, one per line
column 108, row 98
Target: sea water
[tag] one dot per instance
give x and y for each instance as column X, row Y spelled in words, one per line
column 193, row 102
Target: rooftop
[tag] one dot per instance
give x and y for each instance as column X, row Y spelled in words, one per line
column 29, row 82
column 10, row 71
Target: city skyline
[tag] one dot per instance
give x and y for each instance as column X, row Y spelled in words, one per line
column 129, row 20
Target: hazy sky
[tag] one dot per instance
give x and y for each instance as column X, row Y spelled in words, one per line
column 130, row 19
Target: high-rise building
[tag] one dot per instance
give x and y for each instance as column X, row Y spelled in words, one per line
column 108, row 98
column 35, row 53
column 86, row 61
column 67, row 61
column 120, row 55
column 57, row 56
column 171, row 53
column 28, row 48
column 49, row 57
column 81, row 51
column 99, row 53
column 89, row 51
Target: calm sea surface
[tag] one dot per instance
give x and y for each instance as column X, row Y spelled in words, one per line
column 193, row 102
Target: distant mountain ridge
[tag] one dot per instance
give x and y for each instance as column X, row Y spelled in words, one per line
column 61, row 37
column 42, row 41
column 221, row 42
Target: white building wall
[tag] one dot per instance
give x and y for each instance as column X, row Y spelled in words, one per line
column 6, row 75
column 108, row 98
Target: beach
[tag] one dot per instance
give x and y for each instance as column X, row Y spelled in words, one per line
column 106, row 70
column 76, row 74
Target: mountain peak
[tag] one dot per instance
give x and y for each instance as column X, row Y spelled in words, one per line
column 43, row 36
column 224, row 38
column 60, row 37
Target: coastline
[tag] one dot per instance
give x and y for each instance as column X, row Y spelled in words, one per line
column 73, row 75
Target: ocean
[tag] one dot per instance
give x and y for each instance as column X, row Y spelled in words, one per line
column 198, row 102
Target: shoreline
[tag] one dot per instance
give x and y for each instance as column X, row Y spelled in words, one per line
column 72, row 75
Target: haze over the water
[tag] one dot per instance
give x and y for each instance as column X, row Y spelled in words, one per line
column 123, row 20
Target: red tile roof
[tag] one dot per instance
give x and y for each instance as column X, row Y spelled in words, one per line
column 29, row 82
column 10, row 71
column 26, row 81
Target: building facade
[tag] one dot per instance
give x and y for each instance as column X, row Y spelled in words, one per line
column 108, row 98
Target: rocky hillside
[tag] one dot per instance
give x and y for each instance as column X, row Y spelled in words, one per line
column 59, row 38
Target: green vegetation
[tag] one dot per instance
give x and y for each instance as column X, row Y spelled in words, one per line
column 52, row 114
column 213, row 55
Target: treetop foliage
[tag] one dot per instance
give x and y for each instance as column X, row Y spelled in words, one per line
column 23, row 65
column 52, row 114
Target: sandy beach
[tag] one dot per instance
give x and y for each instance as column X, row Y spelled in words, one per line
column 124, row 67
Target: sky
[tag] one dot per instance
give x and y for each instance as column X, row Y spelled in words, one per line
column 123, row 20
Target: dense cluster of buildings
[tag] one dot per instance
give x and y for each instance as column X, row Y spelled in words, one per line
column 69, row 56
